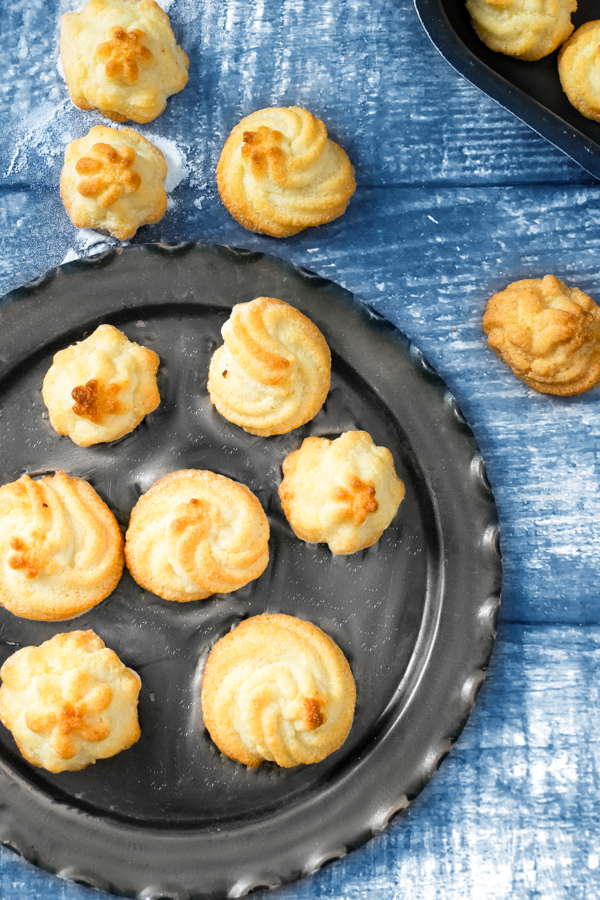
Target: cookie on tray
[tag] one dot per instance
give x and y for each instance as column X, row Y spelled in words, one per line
column 522, row 28
column 280, row 689
column 279, row 173
column 69, row 702
column 112, row 181
column 579, row 69
column 61, row 549
column 121, row 58
column 548, row 333
column 343, row 493
column 100, row 389
column 273, row 372
column 194, row 534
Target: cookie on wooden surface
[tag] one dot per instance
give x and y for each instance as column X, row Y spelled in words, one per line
column 120, row 57
column 194, row 534
column 547, row 333
column 69, row 702
column 112, row 181
column 343, row 493
column 61, row 549
column 526, row 29
column 277, row 688
column 579, row 69
column 100, row 389
column 273, row 372
column 279, row 173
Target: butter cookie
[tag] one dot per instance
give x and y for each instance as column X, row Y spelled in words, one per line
column 343, row 493
column 273, row 372
column 279, row 173
column 120, row 57
column 100, row 389
column 280, row 689
column 112, row 181
column 526, row 29
column 579, row 69
column 61, row 549
column 69, row 702
column 547, row 333
column 194, row 534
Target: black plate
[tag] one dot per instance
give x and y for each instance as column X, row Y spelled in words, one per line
column 530, row 90
column 414, row 614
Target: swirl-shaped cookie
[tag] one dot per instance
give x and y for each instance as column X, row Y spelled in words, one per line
column 61, row 550
column 526, row 29
column 277, row 688
column 120, row 57
column 273, row 372
column 194, row 534
column 112, row 181
column 343, row 493
column 69, row 702
column 547, row 333
column 579, row 69
column 101, row 388
column 279, row 173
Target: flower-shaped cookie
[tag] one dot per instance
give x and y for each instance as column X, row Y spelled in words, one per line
column 527, row 29
column 273, row 372
column 113, row 181
column 343, row 493
column 120, row 57
column 101, row 388
column 61, row 550
column 277, row 688
column 548, row 334
column 194, row 534
column 69, row 702
column 279, row 172
column 579, row 69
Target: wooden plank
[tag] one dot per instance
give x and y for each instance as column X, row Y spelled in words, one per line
column 401, row 112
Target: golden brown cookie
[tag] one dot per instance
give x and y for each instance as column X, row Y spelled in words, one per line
column 527, row 29
column 112, row 181
column 343, row 493
column 69, row 702
column 273, row 372
column 547, row 333
column 579, row 69
column 277, row 688
column 279, row 172
column 194, row 534
column 101, row 388
column 61, row 550
column 120, row 57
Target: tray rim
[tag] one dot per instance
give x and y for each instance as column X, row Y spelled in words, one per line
column 341, row 836
column 570, row 141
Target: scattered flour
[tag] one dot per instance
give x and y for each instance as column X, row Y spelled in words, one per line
column 175, row 158
column 71, row 255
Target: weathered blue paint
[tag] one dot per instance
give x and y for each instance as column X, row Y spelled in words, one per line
column 455, row 199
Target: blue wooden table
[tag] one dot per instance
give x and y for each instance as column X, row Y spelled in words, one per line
column 455, row 199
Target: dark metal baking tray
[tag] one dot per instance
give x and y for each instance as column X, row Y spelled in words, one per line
column 530, row 90
column 171, row 817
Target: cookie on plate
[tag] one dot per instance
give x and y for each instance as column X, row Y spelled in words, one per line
column 280, row 689
column 273, row 372
column 343, row 493
column 120, row 57
column 112, row 181
column 547, row 333
column 279, row 173
column 579, row 69
column 100, row 389
column 61, row 549
column 526, row 29
column 194, row 534
column 69, row 702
